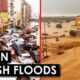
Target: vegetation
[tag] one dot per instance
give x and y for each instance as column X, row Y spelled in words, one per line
column 58, row 19
column 58, row 26
column 73, row 33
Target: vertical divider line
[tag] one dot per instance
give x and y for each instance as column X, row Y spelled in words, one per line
column 40, row 20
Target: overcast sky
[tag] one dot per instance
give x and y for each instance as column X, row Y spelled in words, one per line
column 60, row 7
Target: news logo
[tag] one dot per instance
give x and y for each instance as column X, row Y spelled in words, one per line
column 29, row 70
column 26, row 69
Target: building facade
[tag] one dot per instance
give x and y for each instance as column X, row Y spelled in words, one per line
column 25, row 13
column 3, row 15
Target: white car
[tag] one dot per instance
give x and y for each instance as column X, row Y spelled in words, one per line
column 18, row 31
column 5, row 36
column 15, row 34
column 34, row 35
column 8, row 31
column 26, row 58
column 9, row 45
column 1, row 39
column 19, row 41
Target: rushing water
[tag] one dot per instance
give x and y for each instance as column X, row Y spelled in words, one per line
column 52, row 30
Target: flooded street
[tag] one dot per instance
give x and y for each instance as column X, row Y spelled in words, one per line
column 65, row 51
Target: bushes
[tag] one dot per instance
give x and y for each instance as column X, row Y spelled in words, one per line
column 58, row 26
column 73, row 33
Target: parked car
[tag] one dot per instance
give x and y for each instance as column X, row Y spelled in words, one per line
column 31, row 46
column 25, row 36
column 35, row 56
column 33, row 35
column 15, row 34
column 29, row 31
column 35, row 28
column 9, row 31
column 18, row 48
column 26, row 58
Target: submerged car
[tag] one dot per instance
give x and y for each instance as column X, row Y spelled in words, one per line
column 26, row 58
column 33, row 35
column 25, row 36
column 31, row 46
column 29, row 31
column 18, row 48
column 9, row 31
column 35, row 56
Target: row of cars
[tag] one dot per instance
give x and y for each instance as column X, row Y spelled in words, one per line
column 23, row 45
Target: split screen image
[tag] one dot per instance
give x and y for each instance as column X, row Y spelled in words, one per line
column 42, row 32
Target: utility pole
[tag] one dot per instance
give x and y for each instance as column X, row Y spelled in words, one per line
column 45, row 43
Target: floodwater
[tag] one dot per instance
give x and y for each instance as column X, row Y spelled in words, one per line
column 53, row 31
